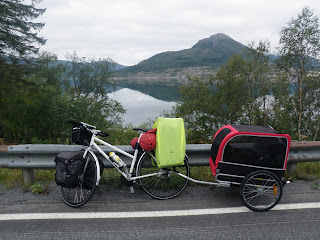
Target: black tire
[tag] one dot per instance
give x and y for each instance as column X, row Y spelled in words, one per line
column 261, row 191
column 166, row 184
column 76, row 197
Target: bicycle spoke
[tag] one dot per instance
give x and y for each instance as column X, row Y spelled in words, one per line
column 76, row 197
column 261, row 191
column 165, row 184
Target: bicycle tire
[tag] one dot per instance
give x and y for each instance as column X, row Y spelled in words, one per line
column 77, row 197
column 261, row 190
column 166, row 184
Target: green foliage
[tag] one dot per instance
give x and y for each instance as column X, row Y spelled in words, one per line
column 197, row 108
column 308, row 171
column 11, row 178
column 300, row 47
column 39, row 188
column 90, row 77
column 232, row 89
column 43, row 178
column 18, row 31
column 234, row 95
column 37, row 104
column 36, row 97
column 202, row 173
column 248, row 89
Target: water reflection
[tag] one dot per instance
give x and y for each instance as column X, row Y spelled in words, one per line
column 140, row 107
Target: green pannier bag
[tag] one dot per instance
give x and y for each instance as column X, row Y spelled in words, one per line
column 171, row 142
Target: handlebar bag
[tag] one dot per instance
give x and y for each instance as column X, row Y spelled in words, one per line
column 81, row 136
column 171, row 142
column 69, row 166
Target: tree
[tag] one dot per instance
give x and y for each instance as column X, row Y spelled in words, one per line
column 90, row 81
column 233, row 89
column 18, row 33
column 284, row 114
column 198, row 109
column 50, row 71
column 300, row 47
column 259, row 81
column 90, row 76
column 18, row 39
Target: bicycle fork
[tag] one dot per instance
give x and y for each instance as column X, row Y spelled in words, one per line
column 96, row 161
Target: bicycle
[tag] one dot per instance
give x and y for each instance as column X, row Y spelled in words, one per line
column 159, row 183
column 252, row 157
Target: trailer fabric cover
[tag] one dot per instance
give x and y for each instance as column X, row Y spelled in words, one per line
column 267, row 146
column 171, row 142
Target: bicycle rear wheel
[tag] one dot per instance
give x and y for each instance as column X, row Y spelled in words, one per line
column 261, row 191
column 165, row 183
column 76, row 197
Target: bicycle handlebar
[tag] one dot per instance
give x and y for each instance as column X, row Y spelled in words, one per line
column 75, row 123
column 88, row 126
column 78, row 124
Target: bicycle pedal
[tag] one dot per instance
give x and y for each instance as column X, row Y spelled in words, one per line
column 131, row 189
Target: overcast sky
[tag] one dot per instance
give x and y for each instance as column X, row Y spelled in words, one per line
column 129, row 31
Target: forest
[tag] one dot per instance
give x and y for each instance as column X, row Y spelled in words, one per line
column 38, row 93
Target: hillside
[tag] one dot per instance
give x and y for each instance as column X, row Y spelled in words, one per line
column 212, row 51
column 161, row 75
column 168, row 70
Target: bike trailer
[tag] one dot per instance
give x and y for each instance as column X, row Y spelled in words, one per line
column 171, row 142
column 238, row 150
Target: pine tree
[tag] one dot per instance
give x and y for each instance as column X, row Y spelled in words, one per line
column 18, row 32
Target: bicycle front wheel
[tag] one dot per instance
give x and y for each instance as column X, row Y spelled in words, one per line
column 261, row 191
column 76, row 197
column 163, row 183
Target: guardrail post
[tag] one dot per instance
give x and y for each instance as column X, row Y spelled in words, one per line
column 291, row 168
column 28, row 176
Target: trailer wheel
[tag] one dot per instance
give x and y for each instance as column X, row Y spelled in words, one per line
column 261, row 191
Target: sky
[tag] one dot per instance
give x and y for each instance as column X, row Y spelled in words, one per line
column 130, row 31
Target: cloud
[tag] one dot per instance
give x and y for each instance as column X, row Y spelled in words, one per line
column 130, row 31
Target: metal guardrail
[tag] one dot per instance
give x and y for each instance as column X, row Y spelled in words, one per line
column 41, row 156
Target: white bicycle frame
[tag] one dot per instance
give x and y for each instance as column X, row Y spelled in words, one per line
column 125, row 172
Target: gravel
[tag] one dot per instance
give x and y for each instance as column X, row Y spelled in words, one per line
column 122, row 193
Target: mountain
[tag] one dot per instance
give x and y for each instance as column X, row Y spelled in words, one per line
column 212, row 51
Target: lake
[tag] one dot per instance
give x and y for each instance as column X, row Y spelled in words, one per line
column 140, row 107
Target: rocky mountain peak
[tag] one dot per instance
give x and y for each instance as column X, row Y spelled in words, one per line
column 214, row 41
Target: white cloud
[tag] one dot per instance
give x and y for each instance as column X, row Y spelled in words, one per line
column 130, row 31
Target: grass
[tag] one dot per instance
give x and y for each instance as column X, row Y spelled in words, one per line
column 202, row 173
column 12, row 178
column 307, row 171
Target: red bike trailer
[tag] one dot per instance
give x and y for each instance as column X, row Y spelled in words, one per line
column 238, row 150
column 254, row 157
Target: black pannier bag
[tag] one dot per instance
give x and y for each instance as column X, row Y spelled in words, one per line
column 69, row 166
column 81, row 136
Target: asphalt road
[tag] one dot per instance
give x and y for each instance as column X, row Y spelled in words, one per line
column 200, row 212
